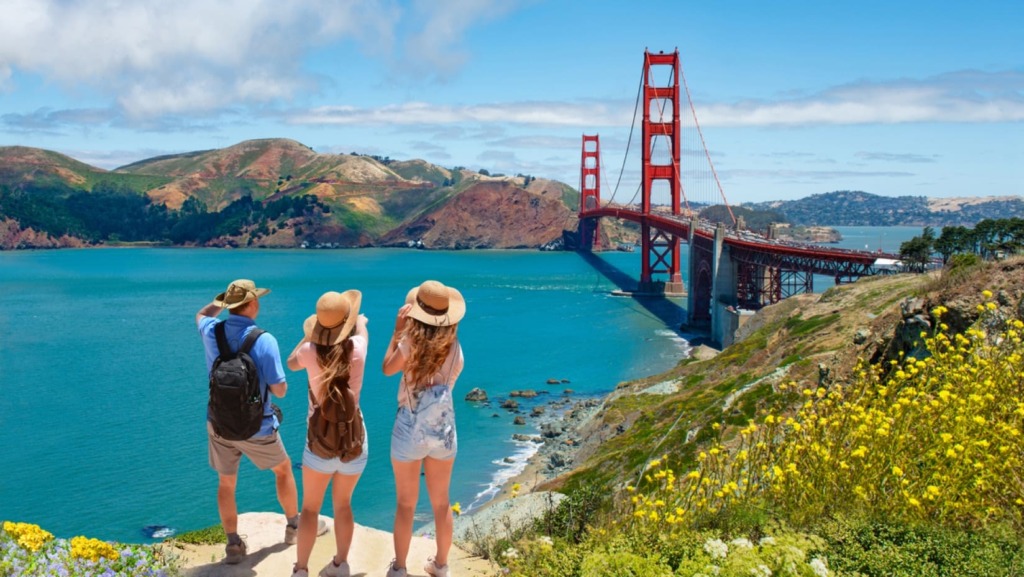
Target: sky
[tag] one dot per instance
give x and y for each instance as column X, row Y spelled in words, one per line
column 793, row 98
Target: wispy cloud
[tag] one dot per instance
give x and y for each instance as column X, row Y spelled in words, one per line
column 966, row 96
column 423, row 113
column 904, row 157
column 962, row 97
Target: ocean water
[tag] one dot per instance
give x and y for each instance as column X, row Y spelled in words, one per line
column 104, row 386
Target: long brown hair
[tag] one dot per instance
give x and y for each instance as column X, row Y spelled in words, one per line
column 430, row 347
column 334, row 361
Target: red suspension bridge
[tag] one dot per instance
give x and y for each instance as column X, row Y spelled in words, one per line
column 730, row 269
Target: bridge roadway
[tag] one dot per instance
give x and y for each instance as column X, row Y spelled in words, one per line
column 842, row 264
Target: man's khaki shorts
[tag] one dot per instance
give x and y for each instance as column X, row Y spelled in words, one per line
column 264, row 452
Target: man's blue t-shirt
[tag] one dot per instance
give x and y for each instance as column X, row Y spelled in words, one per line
column 264, row 353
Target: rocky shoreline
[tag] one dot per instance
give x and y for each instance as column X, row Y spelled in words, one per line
column 555, row 445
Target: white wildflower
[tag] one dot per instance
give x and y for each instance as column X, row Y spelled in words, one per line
column 769, row 540
column 510, row 553
column 742, row 543
column 546, row 540
column 818, row 566
column 716, row 548
column 761, row 571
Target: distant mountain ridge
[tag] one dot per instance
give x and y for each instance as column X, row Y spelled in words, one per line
column 858, row 208
column 281, row 193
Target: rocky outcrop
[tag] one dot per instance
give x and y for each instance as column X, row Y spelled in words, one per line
column 12, row 237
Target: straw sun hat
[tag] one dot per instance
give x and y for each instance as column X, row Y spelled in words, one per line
column 335, row 317
column 238, row 293
column 435, row 304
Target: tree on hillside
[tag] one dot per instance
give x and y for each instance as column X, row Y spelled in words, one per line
column 917, row 252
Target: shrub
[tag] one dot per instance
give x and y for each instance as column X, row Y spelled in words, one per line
column 887, row 549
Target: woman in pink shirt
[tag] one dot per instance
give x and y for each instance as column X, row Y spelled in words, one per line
column 333, row 352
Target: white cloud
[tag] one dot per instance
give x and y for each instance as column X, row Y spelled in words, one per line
column 423, row 113
column 965, row 96
column 187, row 55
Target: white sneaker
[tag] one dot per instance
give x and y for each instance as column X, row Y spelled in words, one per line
column 393, row 572
column 332, row 570
column 300, row 573
column 291, row 534
column 435, row 570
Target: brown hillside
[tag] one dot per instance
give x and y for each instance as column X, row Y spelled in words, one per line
column 487, row 215
column 25, row 163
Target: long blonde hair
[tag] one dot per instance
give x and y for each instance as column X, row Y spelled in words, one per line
column 334, row 361
column 429, row 346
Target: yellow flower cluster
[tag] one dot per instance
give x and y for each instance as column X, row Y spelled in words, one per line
column 92, row 549
column 28, row 536
column 940, row 437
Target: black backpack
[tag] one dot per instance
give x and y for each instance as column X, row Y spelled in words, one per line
column 236, row 406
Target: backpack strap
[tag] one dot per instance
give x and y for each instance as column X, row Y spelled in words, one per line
column 222, row 341
column 250, row 340
column 247, row 344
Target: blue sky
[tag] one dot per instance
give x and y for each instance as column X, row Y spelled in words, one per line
column 794, row 98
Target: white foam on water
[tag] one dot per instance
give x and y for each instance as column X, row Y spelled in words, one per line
column 506, row 470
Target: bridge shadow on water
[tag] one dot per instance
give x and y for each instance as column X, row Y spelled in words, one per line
column 667, row 310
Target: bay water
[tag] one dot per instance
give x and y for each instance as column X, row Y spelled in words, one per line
column 104, row 385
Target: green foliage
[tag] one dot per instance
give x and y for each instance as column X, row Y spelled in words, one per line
column 115, row 213
column 889, row 549
column 573, row 515
column 213, row 535
column 799, row 326
column 621, row 564
column 916, row 253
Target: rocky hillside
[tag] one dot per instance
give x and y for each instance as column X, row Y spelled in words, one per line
column 273, row 193
column 857, row 208
column 810, row 339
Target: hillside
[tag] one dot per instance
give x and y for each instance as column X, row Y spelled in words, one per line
column 272, row 193
column 810, row 339
column 857, row 208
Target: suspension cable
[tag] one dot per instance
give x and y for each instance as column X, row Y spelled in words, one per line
column 700, row 133
column 629, row 141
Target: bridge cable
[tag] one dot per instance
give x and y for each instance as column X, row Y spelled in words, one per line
column 700, row 133
column 629, row 141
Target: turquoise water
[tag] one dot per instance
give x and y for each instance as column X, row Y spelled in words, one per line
column 104, row 387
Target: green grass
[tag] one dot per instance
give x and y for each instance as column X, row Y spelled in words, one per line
column 798, row 326
column 208, row 536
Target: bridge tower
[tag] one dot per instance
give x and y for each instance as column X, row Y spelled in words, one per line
column 660, row 250
column 590, row 191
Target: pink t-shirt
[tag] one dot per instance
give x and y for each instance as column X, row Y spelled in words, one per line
column 306, row 356
column 450, row 370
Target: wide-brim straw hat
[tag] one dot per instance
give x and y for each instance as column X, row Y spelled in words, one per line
column 238, row 293
column 437, row 305
column 336, row 315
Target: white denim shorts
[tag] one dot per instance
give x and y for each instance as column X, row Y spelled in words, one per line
column 336, row 465
column 428, row 430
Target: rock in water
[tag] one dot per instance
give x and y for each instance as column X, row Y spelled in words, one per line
column 477, row 394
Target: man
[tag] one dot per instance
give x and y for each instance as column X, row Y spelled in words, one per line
column 265, row 448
